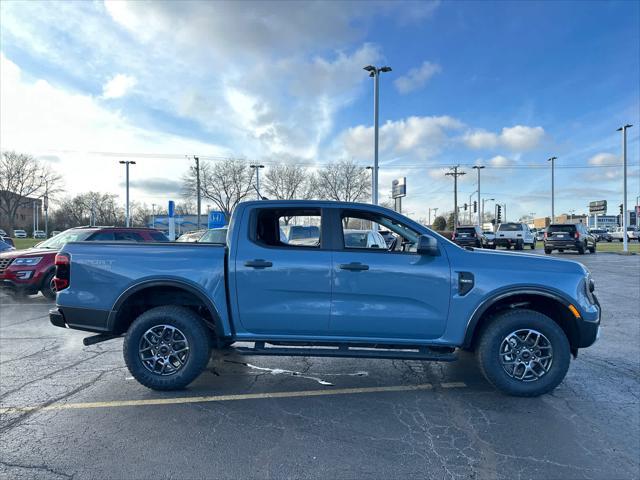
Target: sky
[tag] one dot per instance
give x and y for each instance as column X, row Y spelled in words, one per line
column 502, row 84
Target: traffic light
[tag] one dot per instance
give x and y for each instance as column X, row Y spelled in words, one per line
column 620, row 209
column 475, row 206
column 465, row 207
column 499, row 215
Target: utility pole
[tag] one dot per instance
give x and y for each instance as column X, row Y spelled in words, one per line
column 153, row 215
column 478, row 168
column 455, row 174
column 623, row 129
column 257, row 168
column 553, row 211
column 127, row 163
column 375, row 72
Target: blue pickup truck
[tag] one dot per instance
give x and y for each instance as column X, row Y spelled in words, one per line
column 422, row 298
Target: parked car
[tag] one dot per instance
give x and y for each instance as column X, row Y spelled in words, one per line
column 4, row 247
column 601, row 235
column 193, row 236
column 3, row 233
column 8, row 240
column 632, row 234
column 19, row 233
column 31, row 271
column 39, row 234
column 540, row 234
column 569, row 236
column 516, row 235
column 215, row 235
column 389, row 238
column 301, row 235
column 364, row 239
column 55, row 232
column 469, row 236
column 523, row 315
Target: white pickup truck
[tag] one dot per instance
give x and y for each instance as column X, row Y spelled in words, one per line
column 632, row 234
column 516, row 235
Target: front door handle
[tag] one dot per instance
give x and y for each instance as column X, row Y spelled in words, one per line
column 354, row 266
column 258, row 263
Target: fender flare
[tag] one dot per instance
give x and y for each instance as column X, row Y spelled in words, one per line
column 501, row 295
column 147, row 284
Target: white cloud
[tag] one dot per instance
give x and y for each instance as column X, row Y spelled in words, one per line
column 604, row 159
column 416, row 78
column 425, row 136
column 500, row 161
column 517, row 138
column 118, row 86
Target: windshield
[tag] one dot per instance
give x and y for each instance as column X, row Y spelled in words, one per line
column 215, row 236
column 510, row 227
column 57, row 242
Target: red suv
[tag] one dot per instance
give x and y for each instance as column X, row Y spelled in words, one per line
column 32, row 270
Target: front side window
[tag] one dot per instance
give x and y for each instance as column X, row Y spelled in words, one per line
column 361, row 230
column 288, row 228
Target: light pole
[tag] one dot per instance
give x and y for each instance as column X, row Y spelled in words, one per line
column 455, row 174
column 373, row 184
column 375, row 72
column 553, row 164
column 45, row 204
column 469, row 206
column 484, row 200
column 435, row 212
column 623, row 129
column 127, row 163
column 257, row 167
column 153, row 215
column 478, row 168
column 197, row 159
column 637, row 212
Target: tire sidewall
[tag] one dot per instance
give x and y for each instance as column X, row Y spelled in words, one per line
column 196, row 333
column 506, row 323
column 46, row 286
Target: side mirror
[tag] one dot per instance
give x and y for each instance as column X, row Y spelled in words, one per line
column 427, row 246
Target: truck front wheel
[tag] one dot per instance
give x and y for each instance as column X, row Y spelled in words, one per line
column 523, row 353
column 167, row 347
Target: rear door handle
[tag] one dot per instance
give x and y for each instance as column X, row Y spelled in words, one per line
column 258, row 263
column 354, row 266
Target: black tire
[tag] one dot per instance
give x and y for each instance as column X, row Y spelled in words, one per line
column 519, row 245
column 188, row 323
column 592, row 249
column 548, row 251
column 499, row 328
column 581, row 250
column 48, row 289
column 533, row 245
column 561, row 250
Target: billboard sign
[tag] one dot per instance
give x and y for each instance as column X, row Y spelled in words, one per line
column 216, row 220
column 399, row 187
column 599, row 207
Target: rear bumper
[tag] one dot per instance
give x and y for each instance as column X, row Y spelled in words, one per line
column 467, row 242
column 87, row 319
column 564, row 244
column 504, row 242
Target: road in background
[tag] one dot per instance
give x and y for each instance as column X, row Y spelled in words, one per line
column 382, row 419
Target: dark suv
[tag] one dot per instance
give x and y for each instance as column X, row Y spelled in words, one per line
column 567, row 236
column 32, row 270
column 469, row 236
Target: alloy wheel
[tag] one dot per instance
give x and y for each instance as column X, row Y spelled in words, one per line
column 163, row 350
column 526, row 355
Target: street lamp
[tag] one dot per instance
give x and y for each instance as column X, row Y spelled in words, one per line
column 623, row 129
column 257, row 168
column 45, row 204
column 375, row 72
column 435, row 212
column 553, row 163
column 484, row 200
column 479, row 167
column 127, row 163
column 373, row 185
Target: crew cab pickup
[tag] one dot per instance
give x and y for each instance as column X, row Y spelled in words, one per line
column 422, row 298
column 516, row 235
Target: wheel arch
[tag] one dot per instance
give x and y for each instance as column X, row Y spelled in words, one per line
column 552, row 304
column 153, row 293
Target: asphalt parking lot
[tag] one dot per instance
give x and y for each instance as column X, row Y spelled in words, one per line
column 68, row 411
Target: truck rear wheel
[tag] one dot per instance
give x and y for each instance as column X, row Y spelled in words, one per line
column 167, row 347
column 523, row 353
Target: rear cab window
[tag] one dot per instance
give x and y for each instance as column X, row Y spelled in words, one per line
column 287, row 227
column 510, row 227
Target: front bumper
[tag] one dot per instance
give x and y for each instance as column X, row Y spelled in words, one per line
column 588, row 327
column 15, row 287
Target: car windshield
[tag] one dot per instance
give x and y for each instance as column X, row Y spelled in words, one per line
column 57, row 242
column 215, row 236
column 562, row 228
column 510, row 227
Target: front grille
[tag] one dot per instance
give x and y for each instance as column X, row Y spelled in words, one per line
column 4, row 263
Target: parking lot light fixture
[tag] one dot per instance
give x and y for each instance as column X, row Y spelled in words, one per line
column 127, row 163
column 553, row 164
column 623, row 129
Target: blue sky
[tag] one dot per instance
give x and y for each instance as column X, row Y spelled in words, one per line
column 502, row 84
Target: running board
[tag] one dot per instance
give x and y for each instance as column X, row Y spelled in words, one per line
column 345, row 351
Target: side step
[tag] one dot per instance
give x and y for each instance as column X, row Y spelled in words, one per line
column 441, row 354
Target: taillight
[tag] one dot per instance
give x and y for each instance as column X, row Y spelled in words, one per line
column 63, row 264
column 453, row 236
column 545, row 235
column 577, row 235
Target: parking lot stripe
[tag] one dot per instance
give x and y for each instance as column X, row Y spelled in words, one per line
column 453, row 384
column 216, row 398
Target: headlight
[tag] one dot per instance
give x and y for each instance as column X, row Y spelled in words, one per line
column 27, row 261
column 589, row 287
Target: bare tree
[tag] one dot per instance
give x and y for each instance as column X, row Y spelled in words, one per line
column 225, row 183
column 344, row 181
column 22, row 177
column 289, row 182
column 102, row 208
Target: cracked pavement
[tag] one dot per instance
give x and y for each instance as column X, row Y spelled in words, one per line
column 589, row 427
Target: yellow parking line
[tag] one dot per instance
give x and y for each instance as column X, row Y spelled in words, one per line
column 216, row 398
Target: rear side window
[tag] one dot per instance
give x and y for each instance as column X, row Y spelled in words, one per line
column 128, row 237
column 102, row 237
column 561, row 228
column 158, row 237
column 288, row 227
